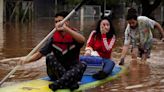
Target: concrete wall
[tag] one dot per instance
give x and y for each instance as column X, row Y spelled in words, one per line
column 1, row 11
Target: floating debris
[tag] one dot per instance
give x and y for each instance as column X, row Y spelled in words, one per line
column 135, row 86
column 162, row 81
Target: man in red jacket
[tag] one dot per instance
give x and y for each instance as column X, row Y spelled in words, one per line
column 62, row 55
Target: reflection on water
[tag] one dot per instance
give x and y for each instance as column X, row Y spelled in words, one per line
column 147, row 77
column 19, row 39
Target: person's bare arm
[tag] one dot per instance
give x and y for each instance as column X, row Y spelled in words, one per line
column 77, row 36
column 64, row 27
column 123, row 54
column 124, row 51
column 160, row 29
column 34, row 57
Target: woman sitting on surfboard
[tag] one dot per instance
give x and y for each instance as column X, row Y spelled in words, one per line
column 99, row 47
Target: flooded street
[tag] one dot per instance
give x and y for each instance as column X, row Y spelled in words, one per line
column 17, row 40
column 140, row 77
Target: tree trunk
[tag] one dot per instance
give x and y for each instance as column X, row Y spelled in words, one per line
column 148, row 8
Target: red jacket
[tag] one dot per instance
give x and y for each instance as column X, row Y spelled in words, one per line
column 66, row 49
column 62, row 43
column 101, row 44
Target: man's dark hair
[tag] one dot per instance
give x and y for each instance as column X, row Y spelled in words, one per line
column 63, row 14
column 132, row 14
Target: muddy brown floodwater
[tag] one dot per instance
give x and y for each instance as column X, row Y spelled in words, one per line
column 17, row 40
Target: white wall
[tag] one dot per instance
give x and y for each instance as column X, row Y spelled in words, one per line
column 1, row 11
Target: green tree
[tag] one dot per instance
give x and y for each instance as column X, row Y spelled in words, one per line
column 109, row 3
column 148, row 6
column 72, row 2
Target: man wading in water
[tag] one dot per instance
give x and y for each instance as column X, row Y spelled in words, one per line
column 138, row 33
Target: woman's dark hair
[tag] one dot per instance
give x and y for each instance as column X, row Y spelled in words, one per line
column 110, row 33
column 132, row 14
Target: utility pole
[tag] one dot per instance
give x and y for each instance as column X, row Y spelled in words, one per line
column 162, row 14
column 56, row 5
column 1, row 25
column 104, row 6
column 82, row 19
column 1, row 11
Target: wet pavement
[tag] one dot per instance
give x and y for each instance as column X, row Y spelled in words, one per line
column 17, row 40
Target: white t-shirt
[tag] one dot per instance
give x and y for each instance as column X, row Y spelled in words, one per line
column 142, row 34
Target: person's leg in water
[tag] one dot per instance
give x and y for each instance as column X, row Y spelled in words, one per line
column 145, row 55
column 146, row 51
column 107, row 69
column 134, row 54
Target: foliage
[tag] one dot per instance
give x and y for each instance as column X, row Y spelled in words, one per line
column 72, row 2
column 95, row 2
column 147, row 6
